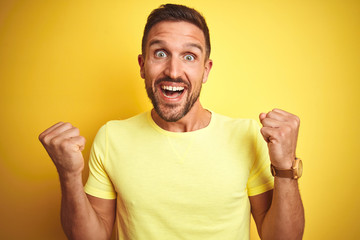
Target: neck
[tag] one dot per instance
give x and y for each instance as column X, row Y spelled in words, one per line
column 197, row 118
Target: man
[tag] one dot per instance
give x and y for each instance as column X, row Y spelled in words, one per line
column 179, row 171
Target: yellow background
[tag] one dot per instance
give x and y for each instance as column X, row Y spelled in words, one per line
column 76, row 61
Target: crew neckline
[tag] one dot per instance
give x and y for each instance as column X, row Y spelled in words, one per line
column 166, row 132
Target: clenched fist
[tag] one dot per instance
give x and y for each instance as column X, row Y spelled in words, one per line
column 280, row 131
column 64, row 144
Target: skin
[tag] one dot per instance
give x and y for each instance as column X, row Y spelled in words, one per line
column 177, row 55
column 279, row 214
column 82, row 216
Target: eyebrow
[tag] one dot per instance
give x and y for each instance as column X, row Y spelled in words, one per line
column 157, row 41
column 195, row 45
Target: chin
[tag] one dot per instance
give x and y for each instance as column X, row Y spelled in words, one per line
column 171, row 114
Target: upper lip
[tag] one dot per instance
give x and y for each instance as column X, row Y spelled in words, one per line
column 168, row 82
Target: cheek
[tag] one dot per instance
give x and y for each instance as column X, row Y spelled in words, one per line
column 196, row 73
column 153, row 70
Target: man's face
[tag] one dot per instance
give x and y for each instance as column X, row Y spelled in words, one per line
column 174, row 68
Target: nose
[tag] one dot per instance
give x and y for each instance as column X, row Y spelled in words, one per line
column 174, row 68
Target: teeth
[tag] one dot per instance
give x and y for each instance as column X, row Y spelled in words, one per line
column 171, row 88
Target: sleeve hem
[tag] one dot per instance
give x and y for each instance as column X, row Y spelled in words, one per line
column 98, row 193
column 261, row 189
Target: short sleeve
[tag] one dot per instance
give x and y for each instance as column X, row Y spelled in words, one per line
column 99, row 183
column 260, row 178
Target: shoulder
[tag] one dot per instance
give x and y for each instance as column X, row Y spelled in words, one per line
column 235, row 130
column 124, row 128
column 243, row 124
column 129, row 123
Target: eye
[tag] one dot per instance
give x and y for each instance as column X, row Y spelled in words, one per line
column 189, row 57
column 160, row 54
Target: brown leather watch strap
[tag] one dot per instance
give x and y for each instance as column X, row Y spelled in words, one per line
column 286, row 173
column 294, row 172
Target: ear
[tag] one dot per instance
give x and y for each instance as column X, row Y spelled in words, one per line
column 208, row 66
column 141, row 62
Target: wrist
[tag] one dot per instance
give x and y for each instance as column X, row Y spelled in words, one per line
column 70, row 177
column 284, row 164
column 285, row 181
column 293, row 172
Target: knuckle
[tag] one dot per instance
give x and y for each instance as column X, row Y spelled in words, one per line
column 295, row 122
column 67, row 125
column 54, row 142
column 76, row 130
column 64, row 144
column 285, row 130
column 262, row 131
column 41, row 137
column 281, row 134
column 46, row 139
column 82, row 139
column 297, row 119
column 265, row 121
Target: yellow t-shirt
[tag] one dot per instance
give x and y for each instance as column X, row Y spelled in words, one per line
column 169, row 185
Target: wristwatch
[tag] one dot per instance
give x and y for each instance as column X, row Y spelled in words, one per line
column 294, row 173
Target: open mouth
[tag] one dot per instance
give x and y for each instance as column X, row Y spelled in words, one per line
column 172, row 91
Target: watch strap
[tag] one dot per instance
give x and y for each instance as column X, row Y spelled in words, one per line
column 283, row 173
column 294, row 172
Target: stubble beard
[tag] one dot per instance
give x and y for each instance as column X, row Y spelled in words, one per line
column 171, row 112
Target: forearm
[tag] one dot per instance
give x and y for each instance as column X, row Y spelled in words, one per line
column 78, row 218
column 285, row 218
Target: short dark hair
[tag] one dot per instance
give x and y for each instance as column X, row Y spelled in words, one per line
column 176, row 13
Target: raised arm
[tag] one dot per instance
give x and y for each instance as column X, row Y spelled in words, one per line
column 82, row 216
column 279, row 214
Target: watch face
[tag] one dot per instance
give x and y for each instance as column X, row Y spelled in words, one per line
column 300, row 168
column 272, row 169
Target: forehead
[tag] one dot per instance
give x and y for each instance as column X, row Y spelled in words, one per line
column 176, row 32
